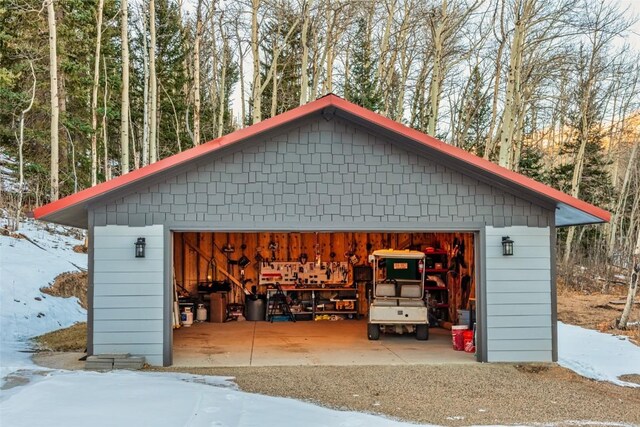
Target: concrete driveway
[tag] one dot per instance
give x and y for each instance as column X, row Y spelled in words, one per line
column 306, row 343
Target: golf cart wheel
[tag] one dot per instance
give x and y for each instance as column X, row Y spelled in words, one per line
column 422, row 332
column 373, row 331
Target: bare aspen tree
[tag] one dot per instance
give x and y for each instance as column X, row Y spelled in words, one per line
column 223, row 96
column 196, row 75
column 256, row 81
column 145, row 91
column 55, row 106
column 633, row 285
column 604, row 23
column 124, row 103
column 445, row 22
column 241, row 53
column 258, row 85
column 105, row 133
column 523, row 13
column 94, row 96
column 153, row 85
column 436, row 74
column 20, row 139
column 304, row 66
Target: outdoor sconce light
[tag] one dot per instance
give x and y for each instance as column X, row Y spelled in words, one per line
column 140, row 244
column 303, row 258
column 507, row 246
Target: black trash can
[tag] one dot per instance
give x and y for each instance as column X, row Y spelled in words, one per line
column 256, row 307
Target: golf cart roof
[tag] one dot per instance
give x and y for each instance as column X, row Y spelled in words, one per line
column 401, row 254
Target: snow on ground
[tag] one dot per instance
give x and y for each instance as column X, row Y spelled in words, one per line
column 129, row 398
column 25, row 267
column 592, row 354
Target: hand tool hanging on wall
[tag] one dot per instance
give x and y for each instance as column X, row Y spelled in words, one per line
column 233, row 280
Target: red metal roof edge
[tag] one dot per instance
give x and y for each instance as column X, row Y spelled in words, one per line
column 319, row 104
column 182, row 157
column 472, row 159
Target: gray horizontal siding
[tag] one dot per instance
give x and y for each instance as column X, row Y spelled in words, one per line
column 128, row 302
column 128, row 326
column 125, row 337
column 139, row 313
column 129, row 289
column 518, row 296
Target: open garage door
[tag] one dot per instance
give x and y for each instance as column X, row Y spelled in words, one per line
column 261, row 298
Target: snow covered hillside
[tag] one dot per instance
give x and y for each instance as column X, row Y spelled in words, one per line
column 26, row 265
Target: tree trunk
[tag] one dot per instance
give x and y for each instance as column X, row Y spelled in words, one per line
column 94, row 97
column 633, row 286
column 304, row 72
column 512, row 106
column 436, row 74
column 153, row 84
column 256, row 92
column 241, row 68
column 24, row 112
column 196, row 75
column 55, row 106
column 613, row 229
column 105, row 133
column 145, row 93
column 124, row 104
column 222, row 107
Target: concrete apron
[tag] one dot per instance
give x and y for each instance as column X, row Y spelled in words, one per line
column 306, row 343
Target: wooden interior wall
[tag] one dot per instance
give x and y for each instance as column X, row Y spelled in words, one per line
column 191, row 268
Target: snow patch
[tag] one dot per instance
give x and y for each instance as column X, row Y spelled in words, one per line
column 595, row 355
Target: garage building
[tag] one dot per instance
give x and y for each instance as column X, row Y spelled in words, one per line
column 326, row 183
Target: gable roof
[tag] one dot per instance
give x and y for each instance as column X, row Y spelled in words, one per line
column 71, row 210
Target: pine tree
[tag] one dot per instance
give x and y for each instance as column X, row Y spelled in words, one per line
column 362, row 87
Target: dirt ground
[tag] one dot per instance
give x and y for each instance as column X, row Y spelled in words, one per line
column 72, row 284
column 596, row 311
column 450, row 395
column 73, row 338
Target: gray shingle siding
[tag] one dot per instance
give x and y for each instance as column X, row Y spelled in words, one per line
column 322, row 171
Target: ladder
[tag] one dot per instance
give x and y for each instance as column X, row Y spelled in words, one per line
column 279, row 305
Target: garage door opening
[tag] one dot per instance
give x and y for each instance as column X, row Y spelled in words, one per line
column 286, row 298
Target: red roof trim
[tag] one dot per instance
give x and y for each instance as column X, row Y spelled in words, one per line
column 326, row 101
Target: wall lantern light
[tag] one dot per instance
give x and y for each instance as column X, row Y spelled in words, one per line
column 140, row 244
column 507, row 246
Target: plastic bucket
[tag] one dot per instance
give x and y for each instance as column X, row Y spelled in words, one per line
column 469, row 346
column 463, row 317
column 457, row 336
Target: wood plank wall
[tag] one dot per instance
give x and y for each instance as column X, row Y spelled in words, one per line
column 190, row 268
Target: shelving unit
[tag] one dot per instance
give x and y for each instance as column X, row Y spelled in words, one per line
column 438, row 296
column 316, row 298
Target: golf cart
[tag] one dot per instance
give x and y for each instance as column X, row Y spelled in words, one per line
column 397, row 295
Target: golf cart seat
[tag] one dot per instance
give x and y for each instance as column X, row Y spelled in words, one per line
column 387, row 290
column 413, row 291
column 386, row 295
